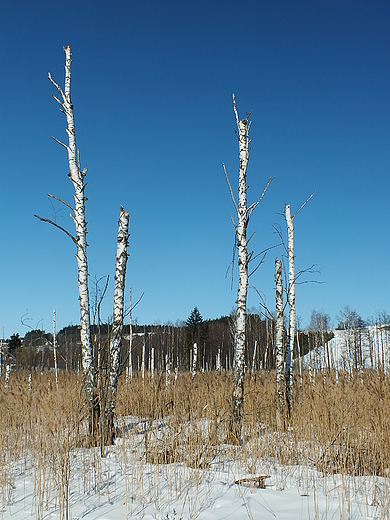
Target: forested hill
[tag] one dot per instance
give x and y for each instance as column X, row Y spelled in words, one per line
column 169, row 341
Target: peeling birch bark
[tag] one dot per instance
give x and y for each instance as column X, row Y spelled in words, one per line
column 77, row 176
column 279, row 354
column 291, row 303
column 117, row 325
column 241, row 245
column 243, row 127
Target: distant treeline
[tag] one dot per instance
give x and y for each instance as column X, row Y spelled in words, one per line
column 214, row 338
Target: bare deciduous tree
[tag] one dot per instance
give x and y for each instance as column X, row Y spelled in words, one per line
column 117, row 325
column 77, row 176
column 100, row 407
column 241, row 245
column 279, row 351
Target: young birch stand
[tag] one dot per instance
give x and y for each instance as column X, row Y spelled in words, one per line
column 241, row 244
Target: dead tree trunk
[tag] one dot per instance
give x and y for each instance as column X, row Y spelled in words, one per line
column 241, row 245
column 117, row 325
column 100, row 407
column 279, row 354
column 243, row 127
column 77, row 176
column 291, row 298
column 291, row 303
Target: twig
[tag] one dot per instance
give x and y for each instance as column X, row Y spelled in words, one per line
column 57, row 226
column 255, row 204
column 304, row 204
column 230, row 188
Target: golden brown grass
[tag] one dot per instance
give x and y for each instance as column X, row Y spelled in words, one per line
column 341, row 427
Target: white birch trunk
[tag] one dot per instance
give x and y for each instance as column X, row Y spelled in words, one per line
column 279, row 355
column 143, row 360
column 194, row 359
column 254, row 357
column 129, row 372
column 218, row 361
column 167, row 372
column 55, row 347
column 117, row 325
column 7, row 375
column 300, row 358
column 241, row 242
column 291, row 303
column 77, row 177
column 152, row 364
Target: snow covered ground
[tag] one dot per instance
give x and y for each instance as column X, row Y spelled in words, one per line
column 122, row 485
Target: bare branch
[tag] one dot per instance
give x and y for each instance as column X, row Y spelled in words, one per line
column 258, row 265
column 60, row 200
column 268, row 313
column 310, row 281
column 57, row 226
column 231, row 265
column 253, row 206
column 58, row 101
column 23, row 319
column 264, row 251
column 56, row 85
column 278, row 231
column 135, row 305
column 60, row 142
column 307, row 270
column 230, row 187
column 102, row 297
column 234, row 224
column 235, row 109
column 304, row 204
column 250, row 238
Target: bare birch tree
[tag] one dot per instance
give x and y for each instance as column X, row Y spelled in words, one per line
column 241, row 244
column 100, row 407
column 117, row 325
column 291, row 297
column 77, row 176
column 279, row 351
column 291, row 302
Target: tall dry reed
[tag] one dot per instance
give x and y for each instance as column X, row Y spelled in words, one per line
column 335, row 427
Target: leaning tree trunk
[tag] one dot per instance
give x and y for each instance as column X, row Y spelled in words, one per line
column 117, row 326
column 279, row 354
column 243, row 126
column 77, row 176
column 291, row 304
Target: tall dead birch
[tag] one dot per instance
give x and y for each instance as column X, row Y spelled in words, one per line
column 77, row 177
column 291, row 302
column 241, row 244
column 117, row 325
column 55, row 347
column 279, row 353
column 291, row 297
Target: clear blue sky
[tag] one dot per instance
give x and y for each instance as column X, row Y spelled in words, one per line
column 152, row 84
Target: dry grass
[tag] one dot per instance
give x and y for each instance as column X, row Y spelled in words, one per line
column 336, row 427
